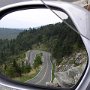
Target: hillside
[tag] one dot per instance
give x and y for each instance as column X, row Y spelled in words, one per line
column 7, row 33
column 58, row 39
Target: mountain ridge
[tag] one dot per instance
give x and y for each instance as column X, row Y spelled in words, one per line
column 9, row 33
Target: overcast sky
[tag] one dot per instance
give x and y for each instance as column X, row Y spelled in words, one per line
column 31, row 18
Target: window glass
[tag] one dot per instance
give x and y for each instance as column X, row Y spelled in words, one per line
column 36, row 47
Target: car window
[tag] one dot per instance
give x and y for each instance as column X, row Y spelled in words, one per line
column 36, row 47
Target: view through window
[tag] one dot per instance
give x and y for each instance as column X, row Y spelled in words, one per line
column 36, row 47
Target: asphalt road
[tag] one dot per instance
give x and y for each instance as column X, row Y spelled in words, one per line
column 46, row 71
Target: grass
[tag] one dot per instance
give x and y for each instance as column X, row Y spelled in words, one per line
column 53, row 70
column 27, row 76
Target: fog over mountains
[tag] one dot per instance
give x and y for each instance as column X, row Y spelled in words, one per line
column 7, row 33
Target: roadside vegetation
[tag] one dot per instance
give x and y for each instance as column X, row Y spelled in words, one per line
column 27, row 76
column 37, row 61
column 15, row 67
column 53, row 71
column 29, row 72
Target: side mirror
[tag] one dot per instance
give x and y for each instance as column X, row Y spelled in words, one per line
column 40, row 51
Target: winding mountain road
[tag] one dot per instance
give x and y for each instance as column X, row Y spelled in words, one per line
column 45, row 74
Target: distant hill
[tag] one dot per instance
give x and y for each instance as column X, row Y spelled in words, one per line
column 7, row 33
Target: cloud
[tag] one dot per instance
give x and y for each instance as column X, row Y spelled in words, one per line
column 31, row 18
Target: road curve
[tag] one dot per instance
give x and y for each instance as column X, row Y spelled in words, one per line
column 45, row 74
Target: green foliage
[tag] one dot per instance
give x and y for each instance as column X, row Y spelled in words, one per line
column 53, row 71
column 12, row 70
column 25, row 68
column 37, row 61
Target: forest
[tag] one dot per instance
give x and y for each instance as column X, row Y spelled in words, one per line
column 58, row 39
